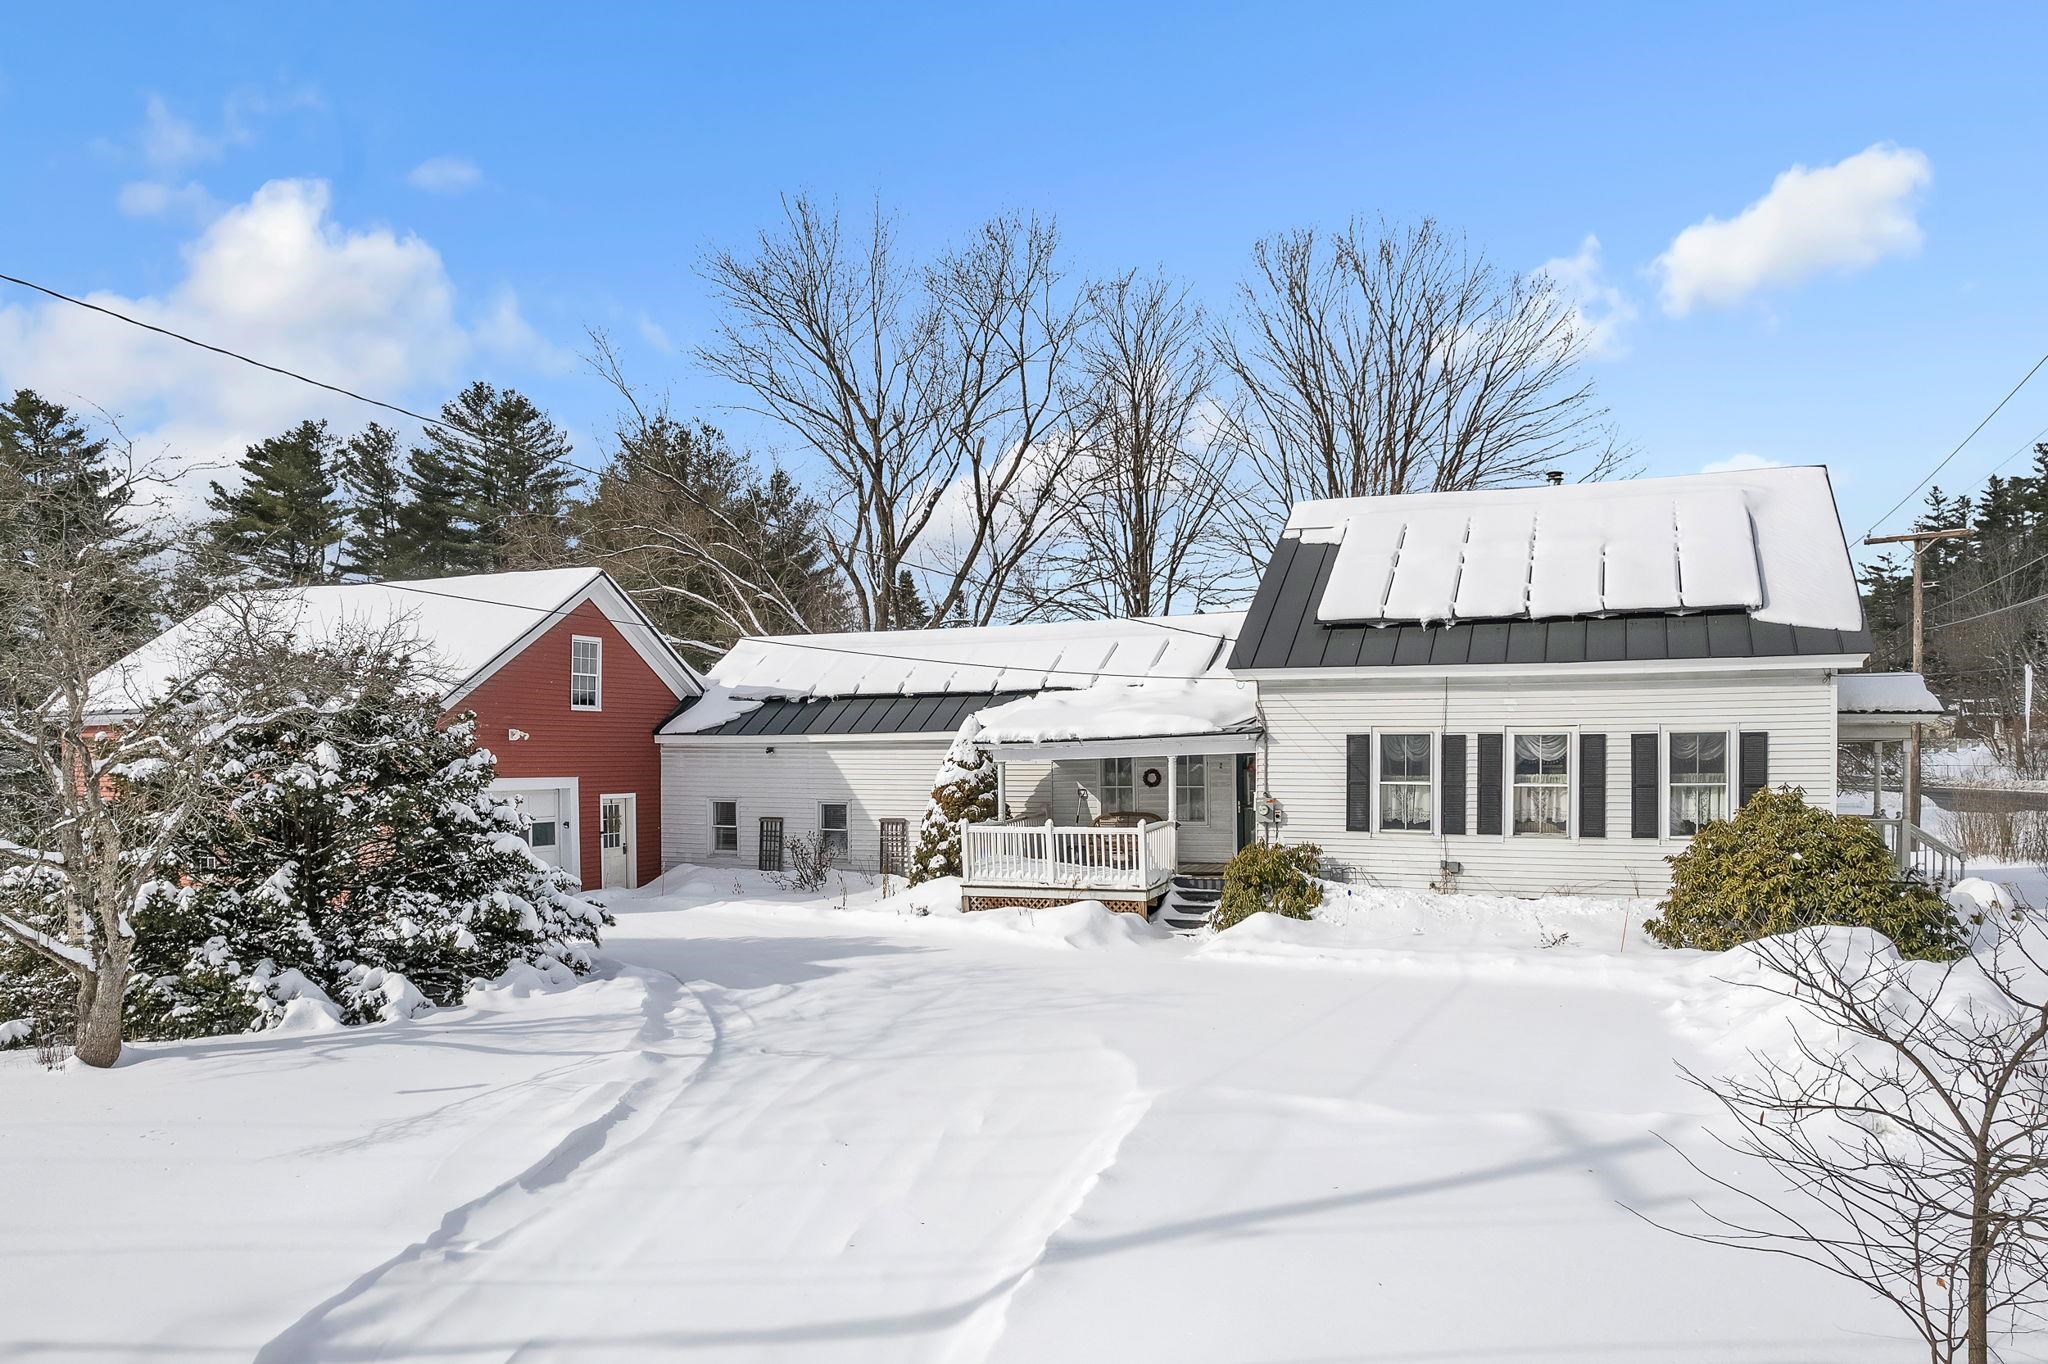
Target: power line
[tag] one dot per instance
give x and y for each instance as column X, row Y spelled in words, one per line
column 1960, row 444
column 118, row 316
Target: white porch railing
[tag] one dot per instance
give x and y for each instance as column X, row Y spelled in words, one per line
column 1916, row 850
column 1070, row 857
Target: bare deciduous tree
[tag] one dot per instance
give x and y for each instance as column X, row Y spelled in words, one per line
column 1908, row 1125
column 1392, row 360
column 1144, row 536
column 927, row 394
column 687, row 526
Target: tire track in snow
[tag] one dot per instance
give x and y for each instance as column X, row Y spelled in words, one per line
column 501, row 1209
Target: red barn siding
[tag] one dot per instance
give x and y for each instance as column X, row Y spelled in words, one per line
column 610, row 751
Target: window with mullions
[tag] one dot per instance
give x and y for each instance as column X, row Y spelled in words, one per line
column 1116, row 784
column 1698, row 777
column 725, row 826
column 1542, row 784
column 1405, row 782
column 1191, row 789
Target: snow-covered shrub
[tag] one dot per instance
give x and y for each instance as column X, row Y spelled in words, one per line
column 36, row 998
column 1780, row 865
column 965, row 791
column 1271, row 878
column 353, row 855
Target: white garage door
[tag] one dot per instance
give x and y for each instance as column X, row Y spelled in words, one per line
column 546, row 836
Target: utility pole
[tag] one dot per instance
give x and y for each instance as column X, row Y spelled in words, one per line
column 1919, row 540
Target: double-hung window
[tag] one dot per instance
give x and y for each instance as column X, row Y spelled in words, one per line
column 1405, row 782
column 832, row 840
column 1698, row 768
column 1191, row 789
column 725, row 826
column 1116, row 784
column 1542, row 784
column 586, row 673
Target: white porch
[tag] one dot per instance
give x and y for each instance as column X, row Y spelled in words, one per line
column 1878, row 718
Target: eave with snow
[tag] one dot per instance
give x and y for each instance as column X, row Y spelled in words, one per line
column 566, row 675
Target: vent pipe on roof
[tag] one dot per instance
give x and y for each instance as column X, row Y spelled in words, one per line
column 1554, row 477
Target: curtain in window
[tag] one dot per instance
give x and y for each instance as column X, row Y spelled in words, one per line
column 1404, row 805
column 1542, row 783
column 1404, row 781
column 1699, row 781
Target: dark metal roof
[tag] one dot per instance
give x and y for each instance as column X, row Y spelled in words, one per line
column 926, row 713
column 1281, row 631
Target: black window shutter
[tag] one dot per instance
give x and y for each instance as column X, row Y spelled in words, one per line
column 1489, row 783
column 1452, row 817
column 1358, row 782
column 1756, row 763
column 1642, row 786
column 1592, row 786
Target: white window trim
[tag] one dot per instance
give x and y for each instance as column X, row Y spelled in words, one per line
column 1436, row 767
column 847, row 828
column 1102, row 785
column 711, row 826
column 1571, row 785
column 1664, row 734
column 1200, row 762
column 597, row 641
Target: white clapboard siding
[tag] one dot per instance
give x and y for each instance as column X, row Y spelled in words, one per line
column 1302, row 764
column 877, row 779
column 1069, row 792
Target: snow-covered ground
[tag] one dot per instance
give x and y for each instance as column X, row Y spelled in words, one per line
column 809, row 1128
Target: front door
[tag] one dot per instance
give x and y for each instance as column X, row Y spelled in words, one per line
column 544, row 834
column 1246, row 771
column 615, row 840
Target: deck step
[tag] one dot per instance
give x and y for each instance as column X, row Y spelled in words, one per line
column 1190, row 904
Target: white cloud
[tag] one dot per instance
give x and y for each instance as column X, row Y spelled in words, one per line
column 1737, row 462
column 445, row 175
column 655, row 335
column 1601, row 310
column 278, row 279
column 163, row 199
column 170, row 143
column 1841, row 217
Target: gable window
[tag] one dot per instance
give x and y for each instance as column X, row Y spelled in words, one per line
column 725, row 826
column 1116, row 784
column 832, row 833
column 586, row 672
column 1191, row 788
column 1542, row 784
column 1405, row 789
column 1698, row 770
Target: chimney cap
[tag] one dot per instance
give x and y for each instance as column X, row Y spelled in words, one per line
column 1554, row 477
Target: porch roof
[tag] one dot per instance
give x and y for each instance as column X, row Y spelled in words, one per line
column 1188, row 715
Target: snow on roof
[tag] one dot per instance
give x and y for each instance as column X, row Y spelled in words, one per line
column 977, row 660
column 1124, row 710
column 1767, row 541
column 465, row 623
column 1885, row 694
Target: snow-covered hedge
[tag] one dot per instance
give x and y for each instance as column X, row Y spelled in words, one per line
column 1271, row 878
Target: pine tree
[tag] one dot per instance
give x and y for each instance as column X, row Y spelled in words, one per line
column 513, row 463
column 359, row 858
column 374, row 473
column 907, row 609
column 434, row 539
column 284, row 521
column 964, row 791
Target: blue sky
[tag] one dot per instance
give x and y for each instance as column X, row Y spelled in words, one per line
column 457, row 191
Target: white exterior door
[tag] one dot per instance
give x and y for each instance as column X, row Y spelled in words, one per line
column 615, row 840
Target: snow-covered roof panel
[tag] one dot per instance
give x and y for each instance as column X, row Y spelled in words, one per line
column 1885, row 694
column 1125, row 710
column 464, row 624
column 1766, row 541
column 972, row 661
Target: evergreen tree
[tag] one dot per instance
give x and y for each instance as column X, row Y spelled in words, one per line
column 284, row 521
column 964, row 791
column 709, row 547
column 358, row 858
column 374, row 474
column 907, row 609
column 434, row 540
column 513, row 463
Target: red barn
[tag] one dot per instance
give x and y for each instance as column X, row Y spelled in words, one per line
column 568, row 680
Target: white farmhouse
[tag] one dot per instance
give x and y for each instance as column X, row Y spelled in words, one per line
column 1523, row 691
